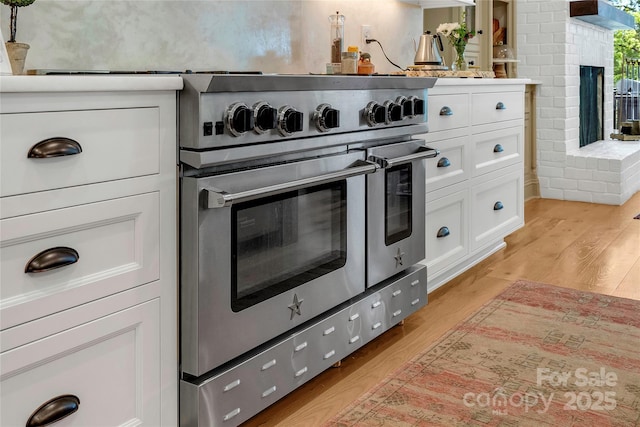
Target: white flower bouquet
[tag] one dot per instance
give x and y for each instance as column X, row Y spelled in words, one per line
column 458, row 36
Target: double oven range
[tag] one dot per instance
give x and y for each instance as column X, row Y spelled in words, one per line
column 302, row 216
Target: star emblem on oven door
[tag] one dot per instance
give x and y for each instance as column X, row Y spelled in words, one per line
column 398, row 257
column 295, row 307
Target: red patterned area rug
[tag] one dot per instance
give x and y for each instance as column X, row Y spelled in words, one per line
column 536, row 355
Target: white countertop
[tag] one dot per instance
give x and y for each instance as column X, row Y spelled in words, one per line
column 150, row 82
column 90, row 83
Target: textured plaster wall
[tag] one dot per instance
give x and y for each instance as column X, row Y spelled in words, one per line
column 271, row 36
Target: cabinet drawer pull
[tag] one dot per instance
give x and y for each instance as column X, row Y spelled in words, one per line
column 54, row 147
column 498, row 206
column 443, row 232
column 444, row 163
column 498, row 148
column 501, row 106
column 50, row 259
column 446, row 111
column 54, row 410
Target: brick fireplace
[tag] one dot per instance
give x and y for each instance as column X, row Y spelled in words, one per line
column 552, row 47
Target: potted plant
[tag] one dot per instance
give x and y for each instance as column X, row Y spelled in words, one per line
column 17, row 52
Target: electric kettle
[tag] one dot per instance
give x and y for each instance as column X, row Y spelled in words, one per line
column 428, row 53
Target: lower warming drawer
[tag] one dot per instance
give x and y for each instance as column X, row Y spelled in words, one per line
column 235, row 394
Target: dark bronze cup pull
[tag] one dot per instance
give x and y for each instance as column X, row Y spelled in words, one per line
column 54, row 147
column 443, row 232
column 50, row 259
column 498, row 148
column 54, row 410
column 444, row 163
column 498, row 206
column 446, row 111
column 501, row 106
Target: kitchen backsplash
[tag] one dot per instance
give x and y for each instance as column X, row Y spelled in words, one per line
column 270, row 36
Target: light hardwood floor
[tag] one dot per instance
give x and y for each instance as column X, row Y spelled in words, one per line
column 579, row 245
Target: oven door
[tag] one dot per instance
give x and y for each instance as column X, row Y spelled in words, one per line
column 266, row 249
column 396, row 209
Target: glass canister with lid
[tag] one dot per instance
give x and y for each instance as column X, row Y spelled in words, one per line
column 350, row 60
column 337, row 36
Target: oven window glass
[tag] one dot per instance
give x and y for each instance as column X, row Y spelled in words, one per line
column 398, row 213
column 283, row 241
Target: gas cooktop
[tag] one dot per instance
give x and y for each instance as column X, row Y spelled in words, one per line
column 52, row 72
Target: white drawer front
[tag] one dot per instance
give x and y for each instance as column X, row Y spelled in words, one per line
column 496, row 107
column 497, row 206
column 118, row 246
column 447, row 111
column 495, row 150
column 111, row 365
column 115, row 144
column 450, row 166
column 447, row 232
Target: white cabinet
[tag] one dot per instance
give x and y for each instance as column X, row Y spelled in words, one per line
column 451, row 166
column 116, row 241
column 447, row 228
column 497, row 205
column 115, row 144
column 110, row 365
column 494, row 150
column 475, row 187
column 88, row 303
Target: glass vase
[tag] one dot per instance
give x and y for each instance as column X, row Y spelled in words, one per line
column 459, row 62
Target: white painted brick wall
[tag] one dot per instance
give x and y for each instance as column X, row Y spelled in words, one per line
column 551, row 47
column 592, row 186
column 578, row 174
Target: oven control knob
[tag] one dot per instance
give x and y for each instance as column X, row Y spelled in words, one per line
column 289, row 120
column 394, row 111
column 265, row 117
column 374, row 113
column 418, row 105
column 407, row 106
column 326, row 118
column 239, row 118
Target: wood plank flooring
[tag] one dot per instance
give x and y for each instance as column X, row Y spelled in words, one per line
column 572, row 244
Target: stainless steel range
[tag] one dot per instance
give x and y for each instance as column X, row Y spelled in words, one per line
column 302, row 208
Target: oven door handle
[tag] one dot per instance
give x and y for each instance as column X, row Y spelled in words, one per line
column 216, row 198
column 423, row 152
